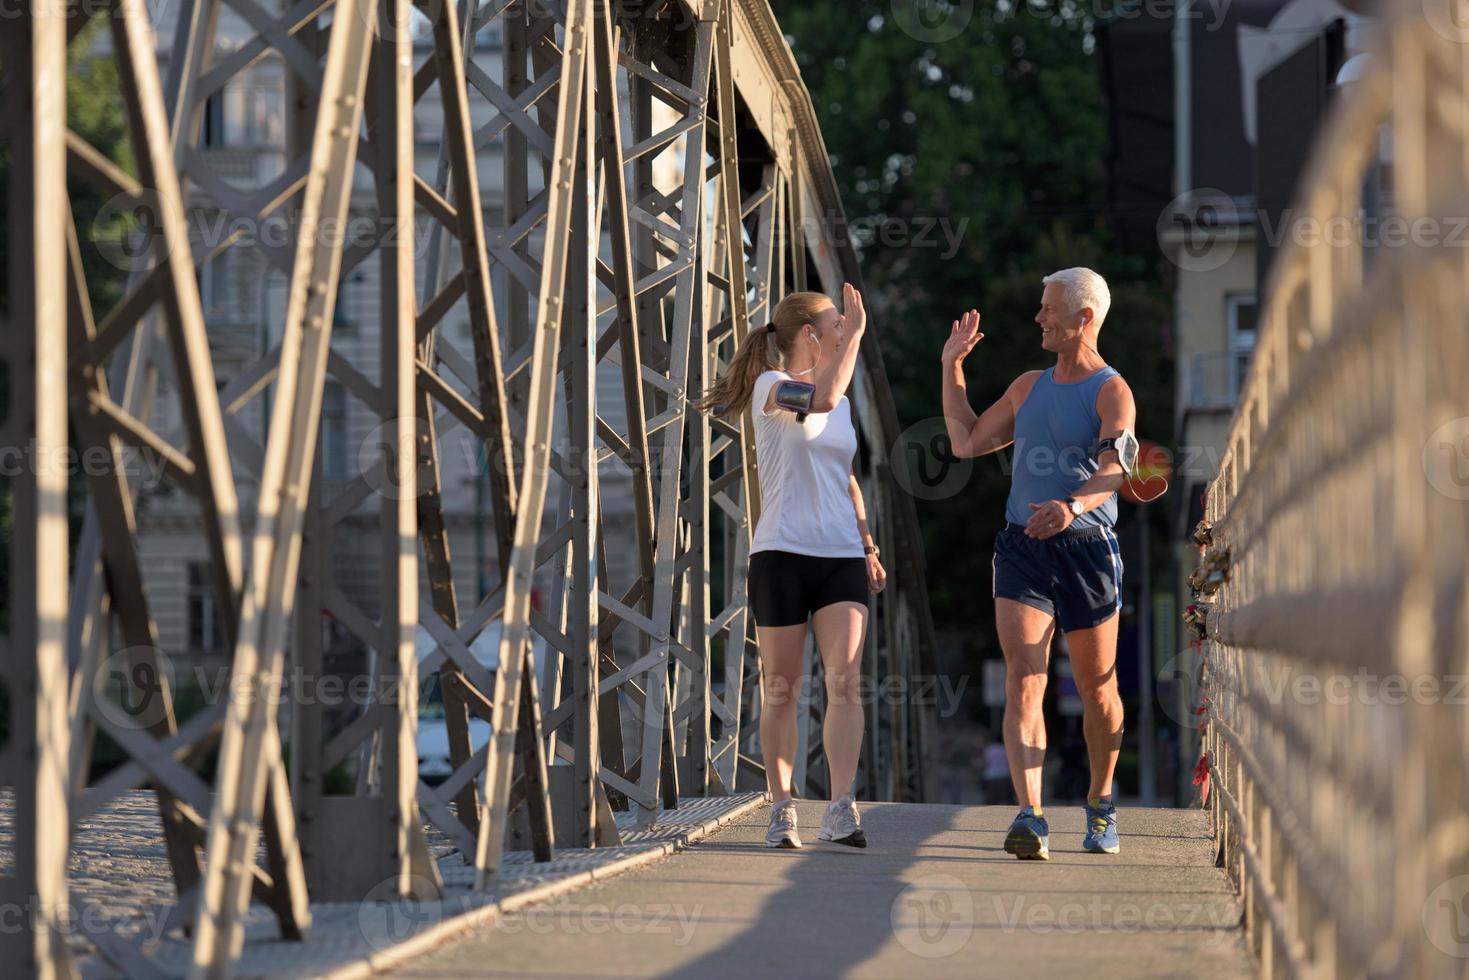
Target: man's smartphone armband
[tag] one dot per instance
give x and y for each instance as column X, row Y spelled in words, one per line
column 795, row 396
column 1126, row 446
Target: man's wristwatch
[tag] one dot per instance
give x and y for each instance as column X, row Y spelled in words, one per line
column 870, row 549
column 1075, row 506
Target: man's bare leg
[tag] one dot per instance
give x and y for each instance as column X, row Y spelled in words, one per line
column 1025, row 637
column 1094, row 665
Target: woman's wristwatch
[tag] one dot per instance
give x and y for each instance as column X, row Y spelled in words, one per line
column 870, row 549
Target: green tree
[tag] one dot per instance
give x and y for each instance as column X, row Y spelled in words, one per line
column 989, row 123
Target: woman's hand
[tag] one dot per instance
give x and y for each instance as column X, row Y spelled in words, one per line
column 853, row 313
column 962, row 338
column 877, row 577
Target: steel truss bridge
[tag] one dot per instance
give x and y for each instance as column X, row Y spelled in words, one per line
column 604, row 262
column 1334, row 543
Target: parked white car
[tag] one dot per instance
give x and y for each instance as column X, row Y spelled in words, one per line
column 433, row 733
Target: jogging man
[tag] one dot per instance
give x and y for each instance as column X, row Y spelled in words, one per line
column 1056, row 561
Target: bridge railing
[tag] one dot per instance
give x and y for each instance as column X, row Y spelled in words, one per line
column 1333, row 579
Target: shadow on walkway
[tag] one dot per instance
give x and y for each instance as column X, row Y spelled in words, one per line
column 836, row 909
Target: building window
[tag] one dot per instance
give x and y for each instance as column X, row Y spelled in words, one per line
column 255, row 116
column 1240, row 313
column 214, row 284
column 212, row 133
column 334, row 431
column 342, row 320
column 205, row 633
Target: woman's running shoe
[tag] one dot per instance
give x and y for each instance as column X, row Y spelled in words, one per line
column 782, row 832
column 841, row 825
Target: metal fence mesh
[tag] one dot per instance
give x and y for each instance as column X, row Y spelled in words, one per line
column 1333, row 573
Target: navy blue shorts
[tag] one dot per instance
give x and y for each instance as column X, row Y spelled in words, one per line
column 1075, row 576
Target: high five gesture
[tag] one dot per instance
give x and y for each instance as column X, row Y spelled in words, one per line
column 962, row 338
column 837, row 345
column 853, row 313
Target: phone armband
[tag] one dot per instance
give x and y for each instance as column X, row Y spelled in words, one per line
column 1127, row 447
column 795, row 396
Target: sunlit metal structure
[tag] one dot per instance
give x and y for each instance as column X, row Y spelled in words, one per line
column 604, row 261
column 1337, row 615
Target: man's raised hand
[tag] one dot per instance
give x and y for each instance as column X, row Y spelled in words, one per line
column 962, row 338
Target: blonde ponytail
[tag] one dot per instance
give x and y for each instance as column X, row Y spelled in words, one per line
column 764, row 350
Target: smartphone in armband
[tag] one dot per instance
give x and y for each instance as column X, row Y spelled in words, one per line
column 1127, row 448
column 795, row 396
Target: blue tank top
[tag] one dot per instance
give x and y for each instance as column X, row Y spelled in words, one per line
column 1056, row 434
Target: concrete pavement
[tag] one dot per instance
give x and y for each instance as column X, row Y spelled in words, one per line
column 933, row 895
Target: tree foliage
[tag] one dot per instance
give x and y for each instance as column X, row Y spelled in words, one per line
column 986, row 119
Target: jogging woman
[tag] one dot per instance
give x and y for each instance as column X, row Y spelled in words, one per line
column 812, row 556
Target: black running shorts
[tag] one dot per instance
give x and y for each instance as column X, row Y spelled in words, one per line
column 786, row 588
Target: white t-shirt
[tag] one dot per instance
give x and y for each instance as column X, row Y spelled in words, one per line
column 804, row 469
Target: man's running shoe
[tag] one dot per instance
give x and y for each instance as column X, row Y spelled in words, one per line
column 782, row 832
column 840, row 824
column 1101, row 828
column 1029, row 837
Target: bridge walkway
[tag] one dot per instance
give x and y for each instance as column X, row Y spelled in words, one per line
column 933, row 895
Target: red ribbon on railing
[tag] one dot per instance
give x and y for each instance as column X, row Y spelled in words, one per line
column 1201, row 778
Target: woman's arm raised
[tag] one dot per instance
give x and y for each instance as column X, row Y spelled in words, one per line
column 832, row 380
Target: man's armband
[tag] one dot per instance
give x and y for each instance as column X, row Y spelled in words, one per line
column 1126, row 446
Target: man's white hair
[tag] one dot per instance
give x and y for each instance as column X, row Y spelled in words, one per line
column 1083, row 287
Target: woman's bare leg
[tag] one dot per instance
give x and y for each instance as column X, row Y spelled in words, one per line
column 781, row 650
column 840, row 629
